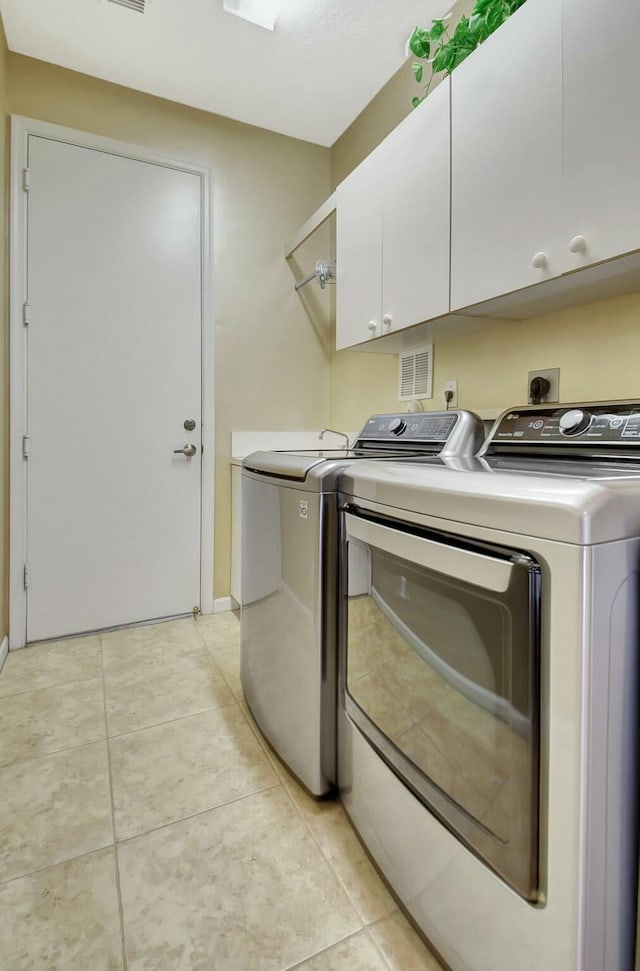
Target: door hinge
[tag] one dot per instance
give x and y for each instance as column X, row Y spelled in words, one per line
column 26, row 180
column 26, row 442
column 26, row 314
column 26, row 576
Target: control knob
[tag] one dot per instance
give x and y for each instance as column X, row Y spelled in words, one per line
column 574, row 421
column 397, row 426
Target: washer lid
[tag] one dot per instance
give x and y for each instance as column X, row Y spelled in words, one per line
column 296, row 465
column 579, row 509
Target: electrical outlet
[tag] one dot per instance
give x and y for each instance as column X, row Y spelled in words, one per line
column 552, row 375
column 453, row 387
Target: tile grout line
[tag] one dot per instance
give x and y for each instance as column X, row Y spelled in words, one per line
column 374, row 941
column 315, row 954
column 51, row 866
column 48, row 687
column 201, row 812
column 50, row 755
column 113, row 816
column 310, row 830
column 57, row 751
column 169, row 721
column 364, row 926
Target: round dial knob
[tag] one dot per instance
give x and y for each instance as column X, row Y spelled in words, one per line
column 574, row 421
column 397, row 426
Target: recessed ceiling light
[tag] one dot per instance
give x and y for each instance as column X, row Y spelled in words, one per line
column 264, row 13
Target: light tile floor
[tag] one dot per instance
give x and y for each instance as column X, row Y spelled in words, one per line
column 145, row 824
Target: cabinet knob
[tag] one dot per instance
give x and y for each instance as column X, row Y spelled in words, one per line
column 540, row 260
column 386, row 320
column 372, row 326
column 578, row 244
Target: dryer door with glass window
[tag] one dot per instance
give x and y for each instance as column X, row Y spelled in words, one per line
column 440, row 672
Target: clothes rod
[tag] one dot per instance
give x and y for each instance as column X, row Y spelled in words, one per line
column 325, row 272
column 307, row 279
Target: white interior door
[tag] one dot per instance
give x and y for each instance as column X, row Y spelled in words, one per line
column 113, row 373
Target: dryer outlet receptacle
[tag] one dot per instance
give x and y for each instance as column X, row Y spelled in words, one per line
column 551, row 394
column 450, row 392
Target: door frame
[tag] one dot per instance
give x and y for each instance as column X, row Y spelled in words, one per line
column 21, row 129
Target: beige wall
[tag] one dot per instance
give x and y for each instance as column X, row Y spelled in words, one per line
column 385, row 111
column 596, row 347
column 272, row 366
column 4, row 356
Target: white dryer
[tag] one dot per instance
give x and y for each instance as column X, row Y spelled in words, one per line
column 489, row 688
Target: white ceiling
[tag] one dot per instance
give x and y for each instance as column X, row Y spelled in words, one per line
column 309, row 78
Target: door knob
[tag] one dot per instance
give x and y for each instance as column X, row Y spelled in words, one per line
column 188, row 450
column 540, row 260
column 578, row 244
column 372, row 326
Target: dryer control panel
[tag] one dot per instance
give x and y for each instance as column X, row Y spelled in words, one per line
column 597, row 426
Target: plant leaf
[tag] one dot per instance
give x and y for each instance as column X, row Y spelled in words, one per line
column 417, row 72
column 419, row 43
column 415, row 102
column 478, row 26
column 450, row 51
column 496, row 16
column 440, row 60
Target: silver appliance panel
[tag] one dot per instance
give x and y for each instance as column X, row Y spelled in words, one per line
column 440, row 673
column 289, row 559
column 290, row 579
column 296, row 465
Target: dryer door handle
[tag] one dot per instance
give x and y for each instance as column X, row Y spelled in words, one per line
column 460, row 564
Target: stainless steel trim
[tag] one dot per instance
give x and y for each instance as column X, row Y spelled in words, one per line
column 516, row 860
column 282, row 465
column 474, row 568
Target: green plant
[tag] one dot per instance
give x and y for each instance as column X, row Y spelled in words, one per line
column 444, row 50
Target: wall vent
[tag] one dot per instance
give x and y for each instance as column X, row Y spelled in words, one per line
column 415, row 373
column 131, row 4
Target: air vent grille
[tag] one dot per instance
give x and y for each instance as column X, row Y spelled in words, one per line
column 415, row 378
column 131, row 4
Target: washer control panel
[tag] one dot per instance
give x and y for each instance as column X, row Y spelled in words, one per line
column 589, row 425
column 435, row 426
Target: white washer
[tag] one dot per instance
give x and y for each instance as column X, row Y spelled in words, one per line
column 489, row 689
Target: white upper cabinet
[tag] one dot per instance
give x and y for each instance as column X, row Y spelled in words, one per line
column 359, row 254
column 416, row 215
column 393, row 213
column 506, row 140
column 601, row 130
column 520, row 168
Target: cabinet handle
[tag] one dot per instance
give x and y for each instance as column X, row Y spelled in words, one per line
column 386, row 320
column 372, row 326
column 540, row 260
column 578, row 244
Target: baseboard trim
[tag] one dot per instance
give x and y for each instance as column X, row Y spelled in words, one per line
column 222, row 604
column 4, row 650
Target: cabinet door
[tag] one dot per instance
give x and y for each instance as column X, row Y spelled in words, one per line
column 601, row 129
column 359, row 255
column 416, row 215
column 506, row 119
